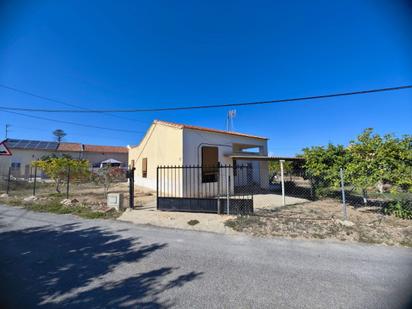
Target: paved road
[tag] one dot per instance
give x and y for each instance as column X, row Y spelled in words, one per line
column 62, row 261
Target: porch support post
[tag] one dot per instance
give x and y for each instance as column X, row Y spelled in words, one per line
column 283, row 182
column 228, row 170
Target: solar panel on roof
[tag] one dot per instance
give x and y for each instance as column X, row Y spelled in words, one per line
column 29, row 144
column 51, row 145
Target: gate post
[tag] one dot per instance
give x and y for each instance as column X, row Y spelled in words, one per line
column 130, row 175
column 68, row 182
column 342, row 183
column 283, row 182
column 227, row 188
column 218, row 188
column 35, row 179
column 8, row 180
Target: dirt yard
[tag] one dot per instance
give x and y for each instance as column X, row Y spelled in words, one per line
column 88, row 194
column 324, row 220
column 319, row 219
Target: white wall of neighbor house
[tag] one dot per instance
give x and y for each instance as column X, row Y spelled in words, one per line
column 5, row 162
column 21, row 160
column 194, row 140
column 95, row 158
column 162, row 145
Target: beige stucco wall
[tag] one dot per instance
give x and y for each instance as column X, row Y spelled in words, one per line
column 170, row 145
column 162, row 145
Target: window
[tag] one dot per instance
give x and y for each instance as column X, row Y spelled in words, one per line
column 210, row 164
column 15, row 165
column 144, row 167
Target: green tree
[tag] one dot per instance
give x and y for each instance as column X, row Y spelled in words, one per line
column 323, row 164
column 371, row 161
column 57, row 169
column 363, row 169
column 376, row 161
column 274, row 167
column 396, row 162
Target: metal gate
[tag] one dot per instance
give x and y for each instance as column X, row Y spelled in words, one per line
column 208, row 189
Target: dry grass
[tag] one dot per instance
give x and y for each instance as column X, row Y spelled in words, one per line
column 90, row 198
column 320, row 220
column 86, row 193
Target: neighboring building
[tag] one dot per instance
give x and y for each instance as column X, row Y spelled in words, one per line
column 97, row 154
column 26, row 151
column 168, row 143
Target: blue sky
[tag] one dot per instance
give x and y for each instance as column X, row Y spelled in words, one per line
column 135, row 54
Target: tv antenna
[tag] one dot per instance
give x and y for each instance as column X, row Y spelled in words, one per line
column 229, row 121
column 7, row 130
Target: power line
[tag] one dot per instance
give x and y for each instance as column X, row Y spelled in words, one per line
column 19, row 129
column 38, row 96
column 141, row 110
column 71, row 123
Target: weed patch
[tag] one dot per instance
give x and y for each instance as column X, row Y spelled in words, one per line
column 54, row 206
column 319, row 220
column 193, row 222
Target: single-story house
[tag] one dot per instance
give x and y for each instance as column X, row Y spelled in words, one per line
column 24, row 152
column 173, row 144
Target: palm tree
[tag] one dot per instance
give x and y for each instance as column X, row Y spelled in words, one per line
column 59, row 134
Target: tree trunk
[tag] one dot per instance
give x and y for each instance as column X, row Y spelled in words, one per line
column 365, row 197
column 379, row 186
column 58, row 186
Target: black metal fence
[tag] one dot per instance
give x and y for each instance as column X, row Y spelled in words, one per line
column 223, row 189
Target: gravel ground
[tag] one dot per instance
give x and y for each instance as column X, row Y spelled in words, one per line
column 61, row 261
column 323, row 220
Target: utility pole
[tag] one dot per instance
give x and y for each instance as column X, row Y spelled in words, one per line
column 7, row 130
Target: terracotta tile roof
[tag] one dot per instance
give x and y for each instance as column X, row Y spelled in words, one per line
column 105, row 149
column 185, row 126
column 70, row 147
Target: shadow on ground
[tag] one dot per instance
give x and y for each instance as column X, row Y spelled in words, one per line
column 69, row 266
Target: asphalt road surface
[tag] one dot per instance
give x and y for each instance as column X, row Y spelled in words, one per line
column 62, row 261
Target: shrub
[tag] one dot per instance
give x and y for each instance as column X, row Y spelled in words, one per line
column 399, row 208
column 106, row 176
